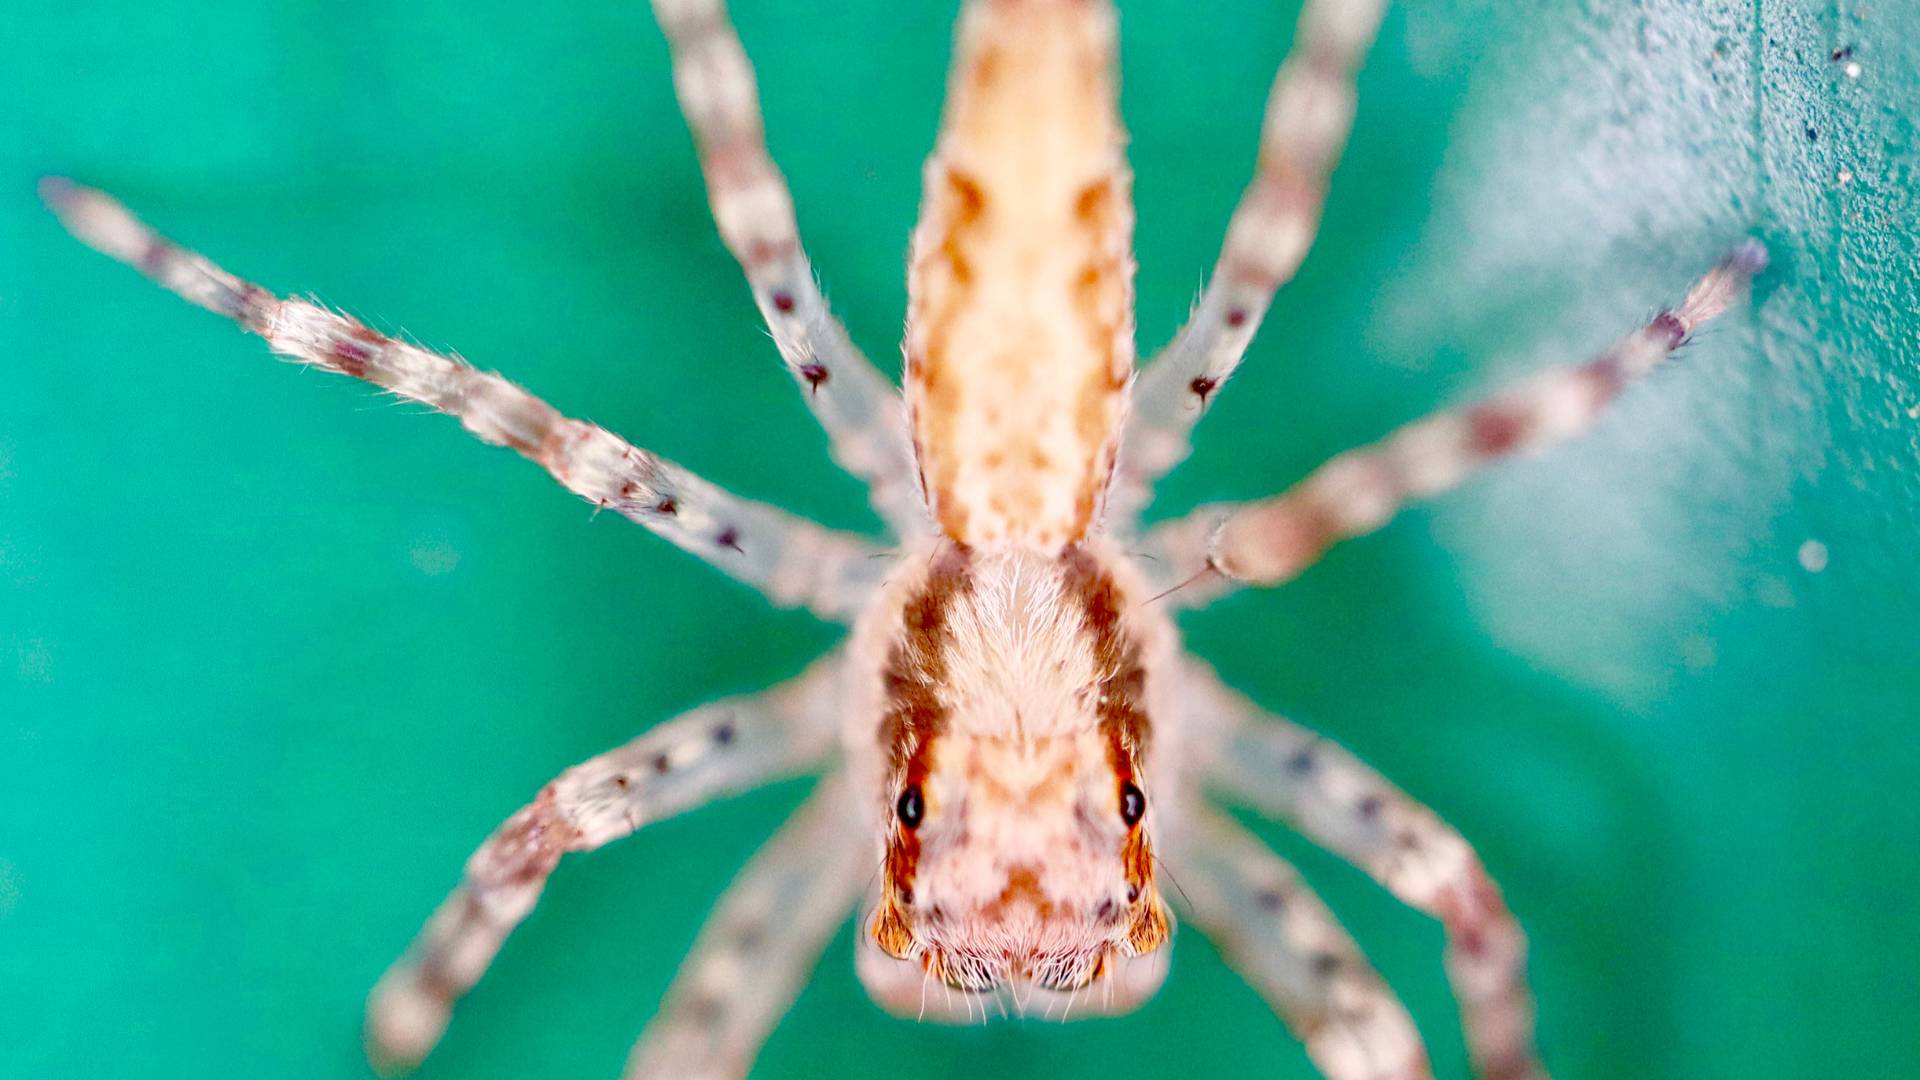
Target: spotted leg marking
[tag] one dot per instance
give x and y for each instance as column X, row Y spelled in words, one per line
column 794, row 562
column 1271, row 541
column 765, row 936
column 1271, row 928
column 858, row 406
column 1338, row 802
column 1309, row 114
column 713, row 751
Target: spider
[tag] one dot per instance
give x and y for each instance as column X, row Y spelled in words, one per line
column 1014, row 748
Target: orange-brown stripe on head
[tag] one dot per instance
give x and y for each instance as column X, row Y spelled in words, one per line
column 916, row 715
column 1019, row 343
column 1121, row 694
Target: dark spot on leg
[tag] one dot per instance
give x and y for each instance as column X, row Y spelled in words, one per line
column 748, row 937
column 666, row 505
column 1325, row 964
column 1301, row 763
column 729, row 538
column 1202, row 386
column 1516, row 1065
column 1368, row 808
column 783, row 301
column 1407, row 839
column 1236, row 317
column 1494, row 430
column 815, row 374
column 621, row 781
column 1669, row 325
column 723, row 733
column 1271, row 901
column 154, row 259
column 248, row 305
column 435, row 982
column 1605, row 375
column 662, row 764
column 703, row 1010
column 350, row 356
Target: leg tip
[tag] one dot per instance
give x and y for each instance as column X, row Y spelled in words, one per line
column 57, row 192
column 403, row 1024
column 97, row 220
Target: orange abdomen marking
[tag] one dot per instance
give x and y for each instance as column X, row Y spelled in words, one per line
column 1019, row 343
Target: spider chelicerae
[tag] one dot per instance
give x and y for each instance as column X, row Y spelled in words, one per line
column 1011, row 731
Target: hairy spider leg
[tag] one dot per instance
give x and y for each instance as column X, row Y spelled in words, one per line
column 790, row 560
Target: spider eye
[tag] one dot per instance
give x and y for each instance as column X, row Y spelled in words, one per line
column 911, row 807
column 1133, row 804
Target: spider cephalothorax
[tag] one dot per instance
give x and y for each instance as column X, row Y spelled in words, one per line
column 1018, row 736
column 1011, row 742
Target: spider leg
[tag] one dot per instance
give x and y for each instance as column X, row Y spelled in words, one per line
column 792, row 561
column 712, row 751
column 858, row 406
column 1273, row 540
column 1270, row 927
column 1309, row 114
column 1334, row 799
column 766, row 934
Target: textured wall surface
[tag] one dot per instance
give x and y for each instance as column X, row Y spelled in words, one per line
column 276, row 653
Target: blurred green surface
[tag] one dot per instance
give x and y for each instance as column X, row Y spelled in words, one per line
column 275, row 653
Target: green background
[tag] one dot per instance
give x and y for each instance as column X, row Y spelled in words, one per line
column 275, row 653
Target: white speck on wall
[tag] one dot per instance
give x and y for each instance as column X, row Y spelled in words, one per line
column 35, row 662
column 1846, row 176
column 1852, row 69
column 1698, row 652
column 1813, row 556
column 1774, row 592
column 433, row 556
